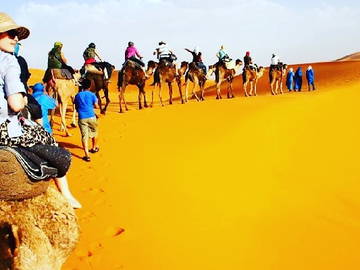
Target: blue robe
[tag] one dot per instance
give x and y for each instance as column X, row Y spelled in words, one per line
column 298, row 79
column 310, row 76
column 290, row 80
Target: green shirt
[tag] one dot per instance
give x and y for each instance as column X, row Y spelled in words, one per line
column 54, row 58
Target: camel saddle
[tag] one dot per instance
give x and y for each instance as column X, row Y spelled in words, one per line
column 63, row 74
column 131, row 64
column 14, row 182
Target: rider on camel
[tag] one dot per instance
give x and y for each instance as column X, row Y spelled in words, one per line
column 197, row 58
column 165, row 57
column 131, row 53
column 222, row 56
column 57, row 60
column 248, row 63
column 275, row 62
column 91, row 65
column 163, row 53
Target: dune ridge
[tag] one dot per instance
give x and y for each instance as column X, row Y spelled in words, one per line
column 350, row 57
column 267, row 182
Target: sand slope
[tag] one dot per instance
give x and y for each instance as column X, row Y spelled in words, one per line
column 350, row 57
column 261, row 183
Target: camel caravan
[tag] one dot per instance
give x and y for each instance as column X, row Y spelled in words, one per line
column 62, row 81
column 192, row 76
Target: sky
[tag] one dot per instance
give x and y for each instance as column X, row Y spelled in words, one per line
column 298, row 31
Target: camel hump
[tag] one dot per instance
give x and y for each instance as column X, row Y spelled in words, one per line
column 14, row 182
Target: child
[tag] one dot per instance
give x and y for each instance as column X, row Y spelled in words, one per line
column 85, row 102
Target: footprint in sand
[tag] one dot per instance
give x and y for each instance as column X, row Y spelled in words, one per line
column 114, row 231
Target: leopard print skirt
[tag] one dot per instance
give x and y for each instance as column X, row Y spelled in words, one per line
column 32, row 135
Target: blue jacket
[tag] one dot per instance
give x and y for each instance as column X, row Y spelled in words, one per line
column 310, row 75
column 46, row 103
column 298, row 79
column 290, row 80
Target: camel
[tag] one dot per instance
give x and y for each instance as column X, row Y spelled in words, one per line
column 222, row 73
column 276, row 76
column 197, row 77
column 251, row 76
column 133, row 74
column 167, row 74
column 38, row 227
column 100, row 83
column 61, row 85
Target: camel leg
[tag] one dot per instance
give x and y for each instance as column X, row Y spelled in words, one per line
column 144, row 94
column 120, row 99
column 255, row 92
column 277, row 87
column 73, row 119
column 178, row 80
column 63, row 118
column 170, row 92
column 202, row 87
column 230, row 91
column 218, row 90
column 123, row 96
column 251, row 88
column 272, row 88
column 186, row 91
column 139, row 99
column 106, row 93
column 196, row 81
column 152, row 96
column 281, row 88
column 160, row 98
column 245, row 89
column 99, row 101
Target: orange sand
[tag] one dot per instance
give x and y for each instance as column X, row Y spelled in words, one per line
column 260, row 183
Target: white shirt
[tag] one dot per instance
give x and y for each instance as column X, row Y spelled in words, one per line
column 163, row 51
column 275, row 60
column 9, row 84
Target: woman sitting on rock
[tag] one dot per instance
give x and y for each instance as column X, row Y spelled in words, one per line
column 16, row 131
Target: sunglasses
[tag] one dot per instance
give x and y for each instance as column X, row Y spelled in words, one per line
column 12, row 33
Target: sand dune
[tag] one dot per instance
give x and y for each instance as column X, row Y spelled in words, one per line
column 267, row 182
column 350, row 57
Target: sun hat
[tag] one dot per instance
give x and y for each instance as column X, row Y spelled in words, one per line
column 6, row 24
column 38, row 87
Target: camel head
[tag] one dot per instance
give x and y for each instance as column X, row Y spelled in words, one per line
column 151, row 66
column 284, row 69
column 260, row 71
column 183, row 67
column 211, row 70
column 238, row 64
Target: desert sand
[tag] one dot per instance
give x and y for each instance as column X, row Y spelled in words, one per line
column 260, row 183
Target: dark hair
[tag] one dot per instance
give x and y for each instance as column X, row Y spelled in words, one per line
column 130, row 43
column 85, row 84
column 92, row 45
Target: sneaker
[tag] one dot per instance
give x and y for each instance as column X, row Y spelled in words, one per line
column 95, row 150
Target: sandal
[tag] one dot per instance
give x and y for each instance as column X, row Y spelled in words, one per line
column 95, row 150
column 86, row 158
